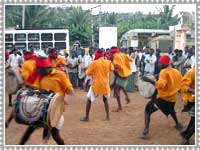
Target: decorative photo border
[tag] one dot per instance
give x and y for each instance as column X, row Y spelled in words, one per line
column 100, row 147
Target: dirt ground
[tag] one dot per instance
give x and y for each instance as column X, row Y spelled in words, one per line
column 122, row 129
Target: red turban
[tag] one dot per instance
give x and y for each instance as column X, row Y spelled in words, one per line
column 164, row 60
column 7, row 53
column 29, row 56
column 43, row 62
column 34, row 56
column 113, row 50
column 98, row 55
column 54, row 52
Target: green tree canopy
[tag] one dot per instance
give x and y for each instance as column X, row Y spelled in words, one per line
column 82, row 24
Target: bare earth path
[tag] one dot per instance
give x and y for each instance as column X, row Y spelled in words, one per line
column 123, row 128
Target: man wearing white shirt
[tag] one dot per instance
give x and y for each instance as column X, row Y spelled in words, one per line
column 88, row 61
column 15, row 60
column 189, row 62
column 170, row 54
column 150, row 62
column 186, row 52
column 133, row 69
column 83, row 65
column 72, row 63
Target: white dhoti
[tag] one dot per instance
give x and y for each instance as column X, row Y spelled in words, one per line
column 91, row 95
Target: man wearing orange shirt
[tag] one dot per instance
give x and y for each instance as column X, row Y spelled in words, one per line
column 123, row 71
column 99, row 70
column 167, row 86
column 56, row 81
column 188, row 97
column 56, row 61
column 28, row 65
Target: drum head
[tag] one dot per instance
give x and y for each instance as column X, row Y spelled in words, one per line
column 11, row 83
column 111, row 78
column 55, row 110
column 146, row 89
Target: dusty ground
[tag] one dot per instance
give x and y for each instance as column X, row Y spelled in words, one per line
column 123, row 128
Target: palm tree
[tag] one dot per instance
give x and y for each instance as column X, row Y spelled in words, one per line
column 35, row 15
column 111, row 19
column 78, row 16
column 13, row 15
column 166, row 16
column 79, row 21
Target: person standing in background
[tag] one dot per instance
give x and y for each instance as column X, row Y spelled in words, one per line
column 89, row 59
column 156, row 72
column 170, row 54
column 150, row 61
column 77, row 48
column 15, row 60
column 72, row 64
column 81, row 69
column 178, row 63
column 133, row 78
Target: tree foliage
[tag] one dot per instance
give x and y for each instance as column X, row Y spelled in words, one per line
column 166, row 17
column 79, row 25
column 82, row 24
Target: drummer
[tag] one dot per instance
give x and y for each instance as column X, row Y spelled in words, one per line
column 99, row 70
column 168, row 84
column 188, row 92
column 56, row 61
column 48, row 78
column 122, row 71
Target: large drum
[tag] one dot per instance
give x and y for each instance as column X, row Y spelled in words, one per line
column 13, row 80
column 146, row 89
column 36, row 108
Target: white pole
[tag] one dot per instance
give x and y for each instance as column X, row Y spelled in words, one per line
column 23, row 16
